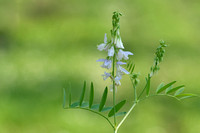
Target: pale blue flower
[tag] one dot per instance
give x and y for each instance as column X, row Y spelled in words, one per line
column 106, row 75
column 111, row 51
column 103, row 46
column 107, row 63
column 123, row 55
column 121, row 63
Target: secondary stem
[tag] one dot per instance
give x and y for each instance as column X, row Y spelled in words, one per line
column 127, row 114
column 135, row 91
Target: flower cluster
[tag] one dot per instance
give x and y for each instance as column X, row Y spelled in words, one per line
column 116, row 54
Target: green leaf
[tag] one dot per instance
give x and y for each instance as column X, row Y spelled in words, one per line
column 85, row 104
column 169, row 88
column 75, row 104
column 91, row 95
column 106, row 109
column 64, row 97
column 132, row 68
column 82, row 94
column 148, row 85
column 120, row 113
column 174, row 89
column 117, row 107
column 179, row 91
column 103, row 99
column 160, row 86
column 95, row 107
column 128, row 65
column 165, row 87
column 184, row 96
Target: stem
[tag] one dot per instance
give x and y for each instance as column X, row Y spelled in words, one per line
column 135, row 91
column 95, row 113
column 127, row 114
column 113, row 74
column 159, row 95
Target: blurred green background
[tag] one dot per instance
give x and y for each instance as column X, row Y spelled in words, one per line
column 44, row 44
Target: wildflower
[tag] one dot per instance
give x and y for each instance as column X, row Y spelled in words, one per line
column 123, row 55
column 121, row 69
column 111, row 51
column 106, row 75
column 107, row 63
column 119, row 43
column 120, row 63
column 103, row 46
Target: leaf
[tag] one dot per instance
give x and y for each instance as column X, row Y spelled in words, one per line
column 120, row 113
column 133, row 68
column 103, row 99
column 165, row 87
column 106, row 109
column 75, row 104
column 184, row 96
column 117, row 107
column 82, row 94
column 130, row 67
column 148, row 85
column 179, row 91
column 64, row 97
column 85, row 104
column 174, row 89
column 91, row 95
column 169, row 88
column 160, row 86
column 95, row 107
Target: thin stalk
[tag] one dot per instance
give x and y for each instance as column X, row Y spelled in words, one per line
column 135, row 91
column 113, row 74
column 127, row 114
column 95, row 113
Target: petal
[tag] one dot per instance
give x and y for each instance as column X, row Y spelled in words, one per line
column 128, row 53
column 105, row 38
column 111, row 51
column 101, row 47
column 120, row 63
column 119, row 43
column 120, row 55
column 100, row 60
column 124, row 70
column 107, row 62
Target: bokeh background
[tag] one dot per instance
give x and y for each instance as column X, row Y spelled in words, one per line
column 45, row 44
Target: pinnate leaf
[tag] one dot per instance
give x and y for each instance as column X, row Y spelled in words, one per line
column 91, row 95
column 82, row 94
column 174, row 89
column 159, row 90
column 103, row 99
column 117, row 107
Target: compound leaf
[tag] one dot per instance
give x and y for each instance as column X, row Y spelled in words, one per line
column 117, row 107
column 103, row 99
column 159, row 90
column 82, row 94
column 91, row 95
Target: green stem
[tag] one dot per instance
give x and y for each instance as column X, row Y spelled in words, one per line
column 159, row 95
column 135, row 91
column 127, row 114
column 95, row 113
column 113, row 74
